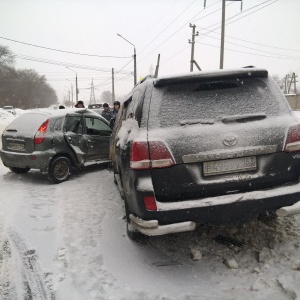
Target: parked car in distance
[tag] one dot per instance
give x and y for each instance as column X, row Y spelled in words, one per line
column 55, row 141
column 97, row 105
column 10, row 109
column 219, row 147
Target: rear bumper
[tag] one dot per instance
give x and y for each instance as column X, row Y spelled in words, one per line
column 221, row 210
column 35, row 160
column 153, row 228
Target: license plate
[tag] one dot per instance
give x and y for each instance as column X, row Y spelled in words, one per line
column 229, row 165
column 15, row 146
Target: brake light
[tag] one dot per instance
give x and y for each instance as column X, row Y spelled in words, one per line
column 150, row 202
column 153, row 154
column 293, row 139
column 40, row 134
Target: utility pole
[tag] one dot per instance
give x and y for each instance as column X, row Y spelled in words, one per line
column 92, row 97
column 157, row 66
column 223, row 31
column 77, row 91
column 193, row 48
column 134, row 58
column 222, row 35
column 113, row 85
column 293, row 80
column 71, row 91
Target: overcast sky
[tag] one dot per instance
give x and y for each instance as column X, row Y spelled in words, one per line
column 264, row 34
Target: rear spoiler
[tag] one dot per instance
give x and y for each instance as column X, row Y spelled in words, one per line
column 209, row 75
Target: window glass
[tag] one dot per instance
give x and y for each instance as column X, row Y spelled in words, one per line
column 58, row 125
column 215, row 100
column 74, row 124
column 96, row 126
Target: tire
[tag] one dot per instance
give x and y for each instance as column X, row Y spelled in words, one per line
column 59, row 169
column 19, row 170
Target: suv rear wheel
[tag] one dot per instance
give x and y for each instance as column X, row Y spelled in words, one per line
column 19, row 170
column 59, row 169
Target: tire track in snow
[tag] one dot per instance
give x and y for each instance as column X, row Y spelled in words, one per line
column 19, row 267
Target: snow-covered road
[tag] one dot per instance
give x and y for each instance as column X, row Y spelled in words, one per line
column 68, row 241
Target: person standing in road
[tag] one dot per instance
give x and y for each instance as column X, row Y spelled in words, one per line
column 107, row 112
column 79, row 104
column 114, row 113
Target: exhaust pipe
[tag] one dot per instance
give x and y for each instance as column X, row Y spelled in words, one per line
column 289, row 210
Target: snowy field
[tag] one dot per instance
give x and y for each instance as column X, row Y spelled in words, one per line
column 68, row 241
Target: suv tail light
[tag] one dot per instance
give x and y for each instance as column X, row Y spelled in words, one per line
column 293, row 139
column 40, row 134
column 150, row 203
column 153, row 154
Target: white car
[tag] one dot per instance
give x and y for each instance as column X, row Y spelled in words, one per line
column 10, row 109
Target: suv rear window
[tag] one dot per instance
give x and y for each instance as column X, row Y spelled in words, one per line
column 216, row 99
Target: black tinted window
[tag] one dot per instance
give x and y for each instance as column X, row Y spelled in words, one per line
column 74, row 124
column 96, row 126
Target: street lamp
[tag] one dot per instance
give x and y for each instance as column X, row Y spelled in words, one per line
column 134, row 56
column 76, row 84
column 71, row 91
column 68, row 92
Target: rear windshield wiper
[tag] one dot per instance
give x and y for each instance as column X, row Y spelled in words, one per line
column 244, row 118
column 12, row 130
column 196, row 121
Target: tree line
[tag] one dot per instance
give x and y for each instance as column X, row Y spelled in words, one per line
column 22, row 88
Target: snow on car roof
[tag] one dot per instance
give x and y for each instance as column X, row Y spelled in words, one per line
column 228, row 73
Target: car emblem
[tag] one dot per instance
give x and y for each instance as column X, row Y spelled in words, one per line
column 230, row 141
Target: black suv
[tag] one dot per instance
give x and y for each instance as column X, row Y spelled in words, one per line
column 54, row 141
column 218, row 147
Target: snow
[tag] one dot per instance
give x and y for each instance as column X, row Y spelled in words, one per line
column 68, row 241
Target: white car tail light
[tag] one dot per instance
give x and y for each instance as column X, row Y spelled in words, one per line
column 40, row 134
column 152, row 154
column 293, row 139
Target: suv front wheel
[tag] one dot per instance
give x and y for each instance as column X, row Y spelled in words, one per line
column 59, row 170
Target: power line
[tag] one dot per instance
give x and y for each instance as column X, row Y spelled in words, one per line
column 252, row 53
column 250, row 42
column 168, row 26
column 174, row 33
column 52, row 49
column 202, row 35
column 52, row 62
column 211, row 12
column 160, row 20
column 115, row 74
column 252, row 12
column 287, row 56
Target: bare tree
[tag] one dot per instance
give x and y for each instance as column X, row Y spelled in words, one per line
column 22, row 88
column 6, row 56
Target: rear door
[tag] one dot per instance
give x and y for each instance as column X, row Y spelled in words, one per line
column 75, row 138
